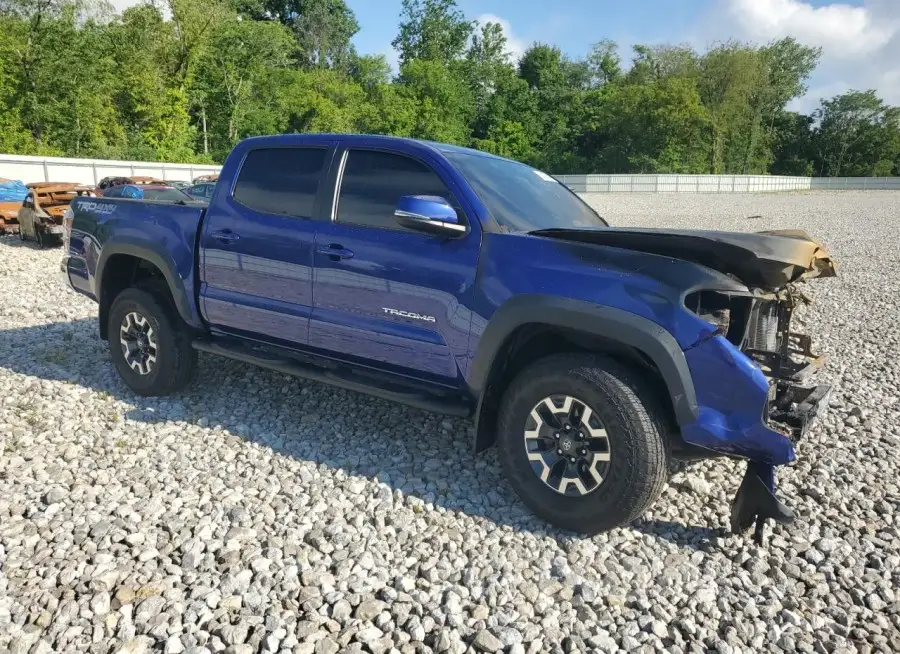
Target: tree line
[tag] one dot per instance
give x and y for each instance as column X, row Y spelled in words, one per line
column 183, row 80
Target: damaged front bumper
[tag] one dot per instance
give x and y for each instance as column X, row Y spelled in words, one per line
column 757, row 400
column 797, row 409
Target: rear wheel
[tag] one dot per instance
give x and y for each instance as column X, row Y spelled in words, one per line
column 582, row 442
column 149, row 343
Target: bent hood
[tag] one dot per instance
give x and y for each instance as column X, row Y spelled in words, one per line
column 758, row 259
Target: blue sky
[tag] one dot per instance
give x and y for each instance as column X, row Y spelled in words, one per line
column 861, row 38
column 573, row 25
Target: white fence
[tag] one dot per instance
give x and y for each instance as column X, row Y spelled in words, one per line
column 91, row 171
column 683, row 183
column 856, row 183
column 720, row 183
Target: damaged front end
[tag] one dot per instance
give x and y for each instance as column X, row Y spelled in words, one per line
column 754, row 333
column 9, row 217
column 759, row 325
column 753, row 373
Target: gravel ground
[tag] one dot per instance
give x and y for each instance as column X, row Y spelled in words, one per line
column 262, row 513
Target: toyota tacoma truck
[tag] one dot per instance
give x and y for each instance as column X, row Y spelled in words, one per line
column 596, row 358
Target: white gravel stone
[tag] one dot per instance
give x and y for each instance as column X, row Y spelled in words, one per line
column 256, row 512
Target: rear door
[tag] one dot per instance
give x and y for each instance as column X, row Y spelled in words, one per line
column 385, row 294
column 257, row 245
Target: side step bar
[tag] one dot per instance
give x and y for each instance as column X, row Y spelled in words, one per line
column 343, row 379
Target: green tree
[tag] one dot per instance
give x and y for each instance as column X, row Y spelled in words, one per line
column 644, row 128
column 858, row 135
column 604, row 63
column 192, row 24
column 323, row 29
column 234, row 69
column 434, row 30
column 557, row 89
column 487, row 61
column 661, row 61
column 542, row 67
column 787, row 65
column 508, row 139
column 793, row 146
column 370, row 71
column 184, row 79
column 443, row 100
column 151, row 64
column 730, row 77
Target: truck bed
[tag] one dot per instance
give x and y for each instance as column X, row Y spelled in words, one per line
column 163, row 233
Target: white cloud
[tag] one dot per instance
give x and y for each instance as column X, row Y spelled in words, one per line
column 860, row 43
column 515, row 46
column 844, row 29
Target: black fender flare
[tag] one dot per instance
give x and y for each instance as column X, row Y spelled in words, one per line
column 624, row 327
column 163, row 262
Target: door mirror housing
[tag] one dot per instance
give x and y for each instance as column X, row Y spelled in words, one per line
column 431, row 214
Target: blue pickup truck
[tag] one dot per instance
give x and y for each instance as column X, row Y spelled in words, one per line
column 598, row 359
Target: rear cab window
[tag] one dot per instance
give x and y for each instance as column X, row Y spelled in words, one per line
column 281, row 181
column 165, row 195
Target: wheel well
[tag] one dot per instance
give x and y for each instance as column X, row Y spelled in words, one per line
column 123, row 271
column 535, row 341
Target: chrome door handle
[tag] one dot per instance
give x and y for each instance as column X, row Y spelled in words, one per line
column 225, row 236
column 335, row 251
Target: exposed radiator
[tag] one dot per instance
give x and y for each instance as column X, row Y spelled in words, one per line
column 762, row 334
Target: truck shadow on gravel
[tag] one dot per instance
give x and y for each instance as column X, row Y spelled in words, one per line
column 421, row 454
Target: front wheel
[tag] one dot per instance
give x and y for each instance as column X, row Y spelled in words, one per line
column 149, row 344
column 582, row 442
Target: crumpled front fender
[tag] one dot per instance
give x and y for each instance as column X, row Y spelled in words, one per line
column 732, row 397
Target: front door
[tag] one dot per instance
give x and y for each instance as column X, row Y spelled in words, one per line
column 384, row 293
column 257, row 246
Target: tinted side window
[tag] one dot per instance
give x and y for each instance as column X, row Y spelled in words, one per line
column 282, row 181
column 373, row 182
column 115, row 192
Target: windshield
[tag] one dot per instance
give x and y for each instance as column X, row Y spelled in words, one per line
column 521, row 198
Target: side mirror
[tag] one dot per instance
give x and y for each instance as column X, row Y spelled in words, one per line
column 428, row 213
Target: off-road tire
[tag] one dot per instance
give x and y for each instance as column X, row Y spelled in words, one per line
column 638, row 468
column 176, row 360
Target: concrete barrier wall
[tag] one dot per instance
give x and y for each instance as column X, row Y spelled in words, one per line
column 91, row 171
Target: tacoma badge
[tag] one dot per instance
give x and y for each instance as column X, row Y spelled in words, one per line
column 408, row 314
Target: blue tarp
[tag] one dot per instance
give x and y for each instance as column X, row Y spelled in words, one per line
column 12, row 190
